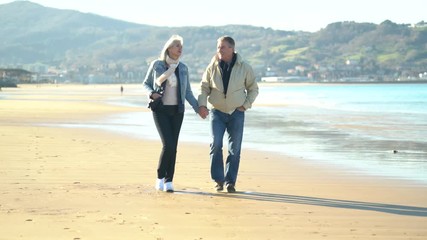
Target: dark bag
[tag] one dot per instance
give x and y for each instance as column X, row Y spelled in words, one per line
column 155, row 104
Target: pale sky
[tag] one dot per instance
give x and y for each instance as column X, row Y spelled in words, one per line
column 305, row 15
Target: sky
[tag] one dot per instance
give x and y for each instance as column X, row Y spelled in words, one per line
column 294, row 15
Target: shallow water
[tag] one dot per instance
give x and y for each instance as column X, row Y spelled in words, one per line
column 377, row 129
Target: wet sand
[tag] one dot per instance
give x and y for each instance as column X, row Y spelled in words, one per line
column 71, row 183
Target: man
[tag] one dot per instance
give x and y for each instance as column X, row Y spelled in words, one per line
column 229, row 85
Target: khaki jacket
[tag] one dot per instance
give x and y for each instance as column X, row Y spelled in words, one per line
column 242, row 88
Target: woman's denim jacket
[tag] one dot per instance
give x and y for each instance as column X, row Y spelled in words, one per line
column 157, row 68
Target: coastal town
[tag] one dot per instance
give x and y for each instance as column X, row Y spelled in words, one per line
column 349, row 73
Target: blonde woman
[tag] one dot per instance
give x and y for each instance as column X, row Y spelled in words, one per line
column 167, row 78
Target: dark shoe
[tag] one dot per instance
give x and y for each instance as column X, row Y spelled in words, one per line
column 219, row 186
column 230, row 188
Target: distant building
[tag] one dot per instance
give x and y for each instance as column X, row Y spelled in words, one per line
column 272, row 79
column 285, row 79
column 15, row 75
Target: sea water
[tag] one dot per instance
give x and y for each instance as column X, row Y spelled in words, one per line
column 377, row 129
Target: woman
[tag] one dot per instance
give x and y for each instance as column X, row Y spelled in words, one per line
column 167, row 78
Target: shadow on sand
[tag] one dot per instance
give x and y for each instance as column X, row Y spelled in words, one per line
column 326, row 202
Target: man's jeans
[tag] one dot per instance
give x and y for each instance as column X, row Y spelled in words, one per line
column 233, row 124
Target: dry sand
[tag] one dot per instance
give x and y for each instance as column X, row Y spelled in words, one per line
column 68, row 183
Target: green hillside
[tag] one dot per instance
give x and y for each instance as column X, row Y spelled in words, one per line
column 80, row 45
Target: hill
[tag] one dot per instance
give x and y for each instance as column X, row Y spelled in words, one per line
column 76, row 46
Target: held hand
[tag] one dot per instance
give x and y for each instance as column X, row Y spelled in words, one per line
column 203, row 112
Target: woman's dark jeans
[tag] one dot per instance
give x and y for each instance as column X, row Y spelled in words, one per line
column 168, row 121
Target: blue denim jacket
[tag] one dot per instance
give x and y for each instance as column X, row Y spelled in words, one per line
column 157, row 68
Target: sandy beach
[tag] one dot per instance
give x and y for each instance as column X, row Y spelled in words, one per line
column 80, row 183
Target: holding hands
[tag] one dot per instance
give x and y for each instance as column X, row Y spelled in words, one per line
column 203, row 112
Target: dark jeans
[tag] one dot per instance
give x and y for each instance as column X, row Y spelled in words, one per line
column 233, row 125
column 168, row 122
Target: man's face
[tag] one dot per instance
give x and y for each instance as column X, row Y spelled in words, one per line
column 224, row 51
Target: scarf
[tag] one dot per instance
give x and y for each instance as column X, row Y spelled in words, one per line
column 172, row 80
column 169, row 74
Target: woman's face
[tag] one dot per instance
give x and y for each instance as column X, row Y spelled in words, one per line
column 175, row 50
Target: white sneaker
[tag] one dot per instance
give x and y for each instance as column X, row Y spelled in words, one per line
column 168, row 187
column 160, row 184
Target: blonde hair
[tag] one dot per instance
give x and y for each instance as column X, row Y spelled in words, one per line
column 173, row 39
